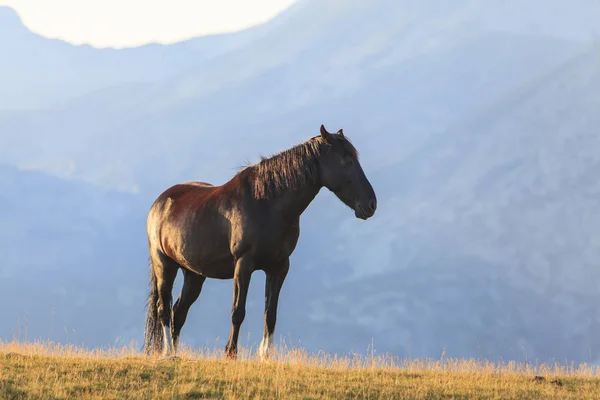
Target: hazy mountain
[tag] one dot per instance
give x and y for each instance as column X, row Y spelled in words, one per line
column 61, row 242
column 475, row 122
column 407, row 70
column 37, row 72
column 495, row 222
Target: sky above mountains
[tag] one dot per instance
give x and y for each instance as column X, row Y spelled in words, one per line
column 114, row 23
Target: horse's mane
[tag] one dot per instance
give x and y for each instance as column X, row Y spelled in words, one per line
column 291, row 169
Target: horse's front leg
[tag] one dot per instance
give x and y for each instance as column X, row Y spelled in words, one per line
column 241, row 281
column 273, row 286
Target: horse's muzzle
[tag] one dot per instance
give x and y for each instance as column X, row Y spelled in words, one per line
column 366, row 211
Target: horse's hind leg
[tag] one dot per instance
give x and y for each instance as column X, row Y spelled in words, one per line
column 166, row 272
column 192, row 286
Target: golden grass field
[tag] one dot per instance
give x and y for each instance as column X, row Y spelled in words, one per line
column 52, row 371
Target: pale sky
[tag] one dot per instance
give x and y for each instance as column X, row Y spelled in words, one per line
column 122, row 23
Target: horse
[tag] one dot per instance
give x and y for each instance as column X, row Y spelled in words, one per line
column 250, row 223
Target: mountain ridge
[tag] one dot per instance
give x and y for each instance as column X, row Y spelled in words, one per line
column 45, row 71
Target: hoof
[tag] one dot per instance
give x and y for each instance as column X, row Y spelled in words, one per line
column 231, row 355
column 265, row 348
column 264, row 355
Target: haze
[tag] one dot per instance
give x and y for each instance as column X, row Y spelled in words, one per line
column 115, row 23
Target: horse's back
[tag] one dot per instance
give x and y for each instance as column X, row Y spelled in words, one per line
column 184, row 190
column 181, row 189
column 196, row 184
column 179, row 200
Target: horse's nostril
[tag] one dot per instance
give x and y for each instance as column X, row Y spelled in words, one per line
column 373, row 205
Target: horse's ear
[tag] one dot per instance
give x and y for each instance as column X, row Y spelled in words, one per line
column 340, row 132
column 324, row 133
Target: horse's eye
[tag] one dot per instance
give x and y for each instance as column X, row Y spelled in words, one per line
column 348, row 161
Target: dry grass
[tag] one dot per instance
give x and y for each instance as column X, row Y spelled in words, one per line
column 47, row 370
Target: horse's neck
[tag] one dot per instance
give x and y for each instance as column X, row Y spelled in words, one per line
column 293, row 203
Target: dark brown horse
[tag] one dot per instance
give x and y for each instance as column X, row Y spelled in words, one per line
column 250, row 223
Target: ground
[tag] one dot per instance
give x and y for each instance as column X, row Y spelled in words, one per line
column 46, row 370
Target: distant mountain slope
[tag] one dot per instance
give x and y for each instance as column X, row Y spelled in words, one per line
column 68, row 249
column 491, row 232
column 484, row 245
column 42, row 208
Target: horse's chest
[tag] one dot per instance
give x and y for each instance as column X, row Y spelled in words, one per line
column 278, row 240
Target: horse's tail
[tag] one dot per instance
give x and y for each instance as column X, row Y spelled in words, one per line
column 153, row 340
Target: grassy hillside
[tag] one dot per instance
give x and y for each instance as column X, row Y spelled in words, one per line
column 50, row 371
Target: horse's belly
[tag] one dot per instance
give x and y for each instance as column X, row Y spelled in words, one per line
column 212, row 260
column 222, row 269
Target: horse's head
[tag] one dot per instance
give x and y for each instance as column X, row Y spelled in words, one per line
column 342, row 174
